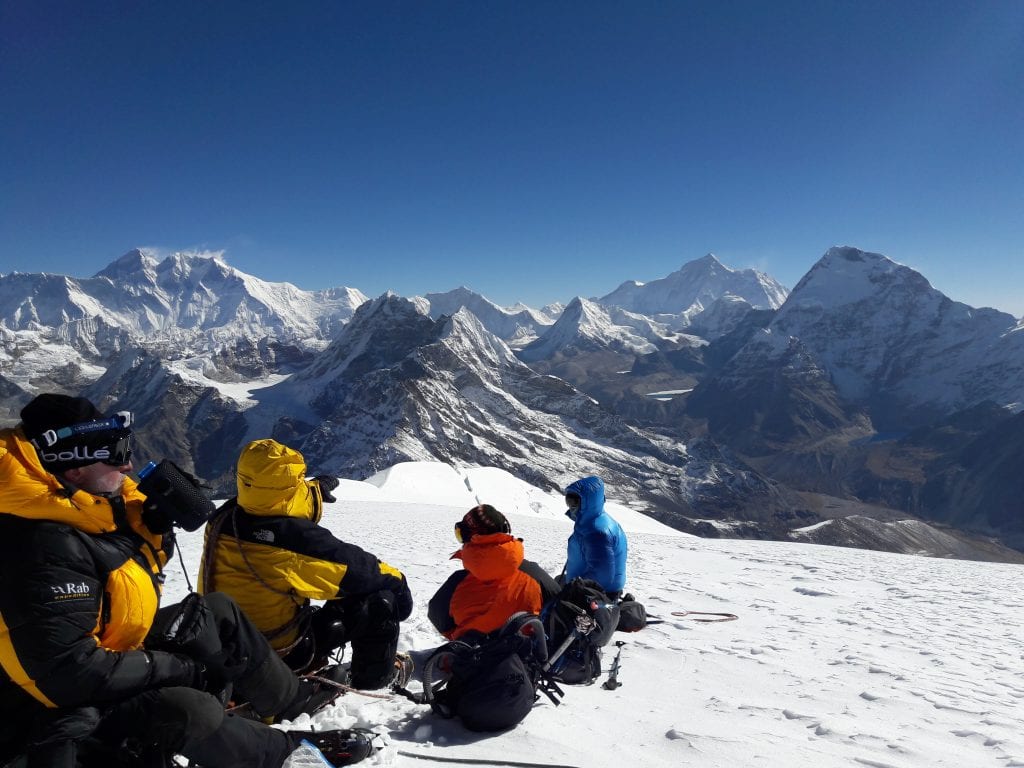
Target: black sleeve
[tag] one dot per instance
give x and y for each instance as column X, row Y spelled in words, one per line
column 50, row 602
column 439, row 608
column 548, row 586
column 327, row 566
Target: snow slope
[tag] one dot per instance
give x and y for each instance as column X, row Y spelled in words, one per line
column 840, row 657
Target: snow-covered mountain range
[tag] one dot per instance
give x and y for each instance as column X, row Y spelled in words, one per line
column 61, row 330
column 855, row 387
column 697, row 397
column 396, row 385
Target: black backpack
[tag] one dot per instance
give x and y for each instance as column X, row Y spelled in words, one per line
column 578, row 622
column 632, row 614
column 490, row 683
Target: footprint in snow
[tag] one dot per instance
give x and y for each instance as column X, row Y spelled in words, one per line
column 813, row 592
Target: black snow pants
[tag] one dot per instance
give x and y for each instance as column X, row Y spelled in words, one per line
column 144, row 730
column 369, row 625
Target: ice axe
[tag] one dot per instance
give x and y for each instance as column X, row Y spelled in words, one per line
column 613, row 676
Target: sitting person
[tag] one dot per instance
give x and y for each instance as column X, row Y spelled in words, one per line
column 488, row 674
column 266, row 549
column 86, row 677
column 597, row 546
column 495, row 583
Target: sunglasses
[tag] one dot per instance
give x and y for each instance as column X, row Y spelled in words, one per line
column 572, row 501
column 462, row 532
column 120, row 451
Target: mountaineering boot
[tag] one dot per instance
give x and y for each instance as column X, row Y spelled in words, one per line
column 315, row 694
column 403, row 671
column 336, row 673
column 340, row 748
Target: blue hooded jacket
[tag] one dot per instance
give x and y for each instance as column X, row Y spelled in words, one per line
column 597, row 547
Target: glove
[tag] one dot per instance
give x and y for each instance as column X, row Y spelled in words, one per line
column 219, row 670
column 403, row 601
column 155, row 519
column 173, row 669
column 380, row 606
column 187, row 627
column 211, row 674
column 327, row 484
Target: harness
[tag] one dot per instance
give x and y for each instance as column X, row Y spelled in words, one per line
column 299, row 623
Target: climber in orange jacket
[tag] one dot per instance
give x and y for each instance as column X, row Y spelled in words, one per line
column 496, row 580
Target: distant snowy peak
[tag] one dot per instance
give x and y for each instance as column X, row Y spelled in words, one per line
column 587, row 325
column 885, row 335
column 721, row 317
column 846, row 275
column 555, row 310
column 517, row 325
column 392, row 331
column 696, row 286
column 130, row 266
column 142, row 268
column 381, row 331
column 847, row 280
column 184, row 297
column 466, row 335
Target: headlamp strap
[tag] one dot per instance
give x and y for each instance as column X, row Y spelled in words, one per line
column 120, row 420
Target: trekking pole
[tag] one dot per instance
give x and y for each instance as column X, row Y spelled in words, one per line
column 613, row 677
column 583, row 625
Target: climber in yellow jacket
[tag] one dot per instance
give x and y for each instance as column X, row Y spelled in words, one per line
column 267, row 550
column 88, row 673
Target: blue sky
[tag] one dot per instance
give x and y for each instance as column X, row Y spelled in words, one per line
column 532, row 151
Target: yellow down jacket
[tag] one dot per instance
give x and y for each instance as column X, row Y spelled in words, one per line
column 266, row 549
column 80, row 582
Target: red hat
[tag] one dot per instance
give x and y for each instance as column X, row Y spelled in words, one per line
column 482, row 520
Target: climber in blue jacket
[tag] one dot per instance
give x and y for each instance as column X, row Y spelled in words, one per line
column 597, row 546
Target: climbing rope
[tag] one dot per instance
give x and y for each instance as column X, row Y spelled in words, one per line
column 479, row 761
column 700, row 616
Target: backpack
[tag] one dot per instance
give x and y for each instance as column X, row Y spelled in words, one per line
column 632, row 614
column 491, row 682
column 578, row 622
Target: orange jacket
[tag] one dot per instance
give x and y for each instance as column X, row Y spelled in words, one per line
column 496, row 583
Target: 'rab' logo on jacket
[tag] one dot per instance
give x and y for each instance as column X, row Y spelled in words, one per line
column 70, row 591
column 78, row 453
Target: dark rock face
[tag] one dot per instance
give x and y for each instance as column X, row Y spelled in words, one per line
column 906, row 536
column 979, row 486
column 764, row 400
column 193, row 425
